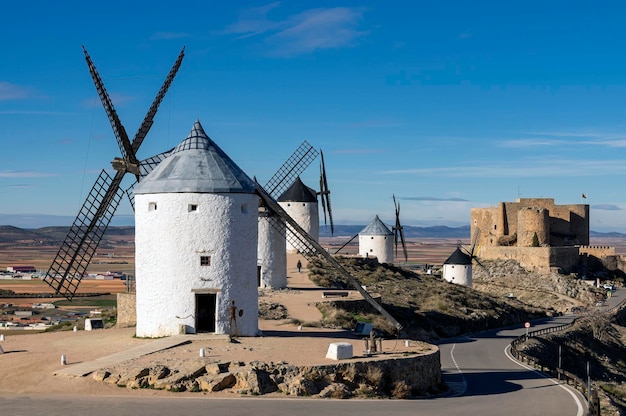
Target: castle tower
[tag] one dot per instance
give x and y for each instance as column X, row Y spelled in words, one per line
column 376, row 240
column 196, row 240
column 458, row 268
column 531, row 221
column 300, row 202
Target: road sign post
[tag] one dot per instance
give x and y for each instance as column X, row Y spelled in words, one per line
column 526, row 325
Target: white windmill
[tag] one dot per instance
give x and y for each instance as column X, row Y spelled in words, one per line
column 196, row 243
column 300, row 203
column 458, row 267
column 377, row 240
column 272, row 256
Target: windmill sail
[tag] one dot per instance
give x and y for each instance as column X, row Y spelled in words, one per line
column 398, row 231
column 299, row 160
column 325, row 194
column 71, row 262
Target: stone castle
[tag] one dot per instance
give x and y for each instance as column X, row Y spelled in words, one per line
column 541, row 236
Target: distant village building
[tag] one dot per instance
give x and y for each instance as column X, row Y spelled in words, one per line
column 21, row 269
column 540, row 235
column 376, row 240
column 196, row 244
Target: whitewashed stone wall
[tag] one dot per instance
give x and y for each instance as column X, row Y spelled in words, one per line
column 170, row 239
column 379, row 246
column 307, row 216
column 461, row 274
column 272, row 255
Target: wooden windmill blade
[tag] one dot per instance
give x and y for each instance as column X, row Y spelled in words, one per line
column 123, row 142
column 398, row 231
column 146, row 124
column 348, row 242
column 79, row 246
column 310, row 247
column 325, row 194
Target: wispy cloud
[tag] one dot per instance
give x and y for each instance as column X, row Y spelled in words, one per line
column 560, row 138
column 19, row 186
column 527, row 168
column 432, row 198
column 606, row 207
column 31, row 112
column 169, row 35
column 24, row 174
column 10, row 91
column 301, row 33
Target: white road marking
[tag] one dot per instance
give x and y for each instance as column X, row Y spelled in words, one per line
column 564, row 387
column 461, row 386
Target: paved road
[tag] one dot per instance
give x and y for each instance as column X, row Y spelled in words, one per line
column 486, row 382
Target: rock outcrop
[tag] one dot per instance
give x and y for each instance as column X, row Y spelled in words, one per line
column 414, row 375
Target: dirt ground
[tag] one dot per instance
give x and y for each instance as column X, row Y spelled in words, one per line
column 29, row 361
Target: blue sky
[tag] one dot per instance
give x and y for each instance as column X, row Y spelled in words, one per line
column 448, row 105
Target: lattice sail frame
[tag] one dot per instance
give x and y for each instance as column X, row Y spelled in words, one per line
column 85, row 234
column 303, row 156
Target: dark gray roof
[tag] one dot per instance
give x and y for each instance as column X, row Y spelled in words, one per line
column 376, row 227
column 197, row 164
column 458, row 257
column 298, row 192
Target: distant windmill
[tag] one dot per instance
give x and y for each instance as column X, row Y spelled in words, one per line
column 377, row 240
column 71, row 262
column 301, row 203
column 458, row 267
column 272, row 256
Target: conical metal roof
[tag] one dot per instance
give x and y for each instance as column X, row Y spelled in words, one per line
column 376, row 227
column 458, row 257
column 196, row 165
column 298, row 192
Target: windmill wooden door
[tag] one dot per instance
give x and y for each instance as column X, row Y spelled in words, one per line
column 205, row 312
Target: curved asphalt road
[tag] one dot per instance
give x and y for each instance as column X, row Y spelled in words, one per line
column 484, row 380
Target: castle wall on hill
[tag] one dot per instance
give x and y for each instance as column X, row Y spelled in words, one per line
column 597, row 251
column 537, row 259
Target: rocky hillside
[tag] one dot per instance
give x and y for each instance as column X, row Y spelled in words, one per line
column 428, row 307
column 548, row 291
column 597, row 338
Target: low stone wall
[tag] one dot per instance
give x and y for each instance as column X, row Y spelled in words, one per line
column 400, row 377
column 126, row 310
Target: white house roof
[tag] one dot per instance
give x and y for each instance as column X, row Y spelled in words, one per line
column 196, row 165
column 376, row 227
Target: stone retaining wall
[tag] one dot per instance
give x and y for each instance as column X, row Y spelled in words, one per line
column 402, row 376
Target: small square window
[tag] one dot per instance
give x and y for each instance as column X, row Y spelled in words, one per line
column 152, row 206
column 192, row 207
column 205, row 260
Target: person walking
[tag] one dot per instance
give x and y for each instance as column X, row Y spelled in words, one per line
column 299, row 265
